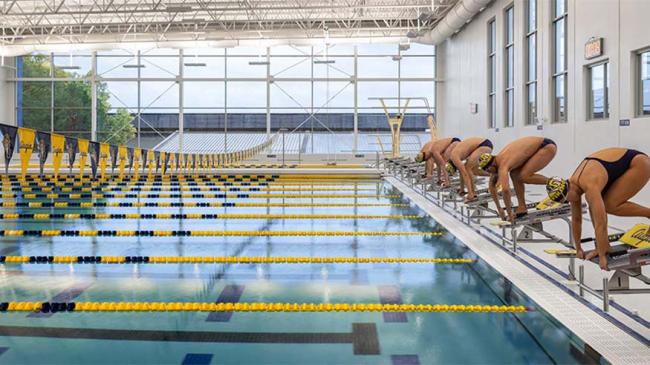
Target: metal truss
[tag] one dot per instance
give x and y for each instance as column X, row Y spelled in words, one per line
column 43, row 22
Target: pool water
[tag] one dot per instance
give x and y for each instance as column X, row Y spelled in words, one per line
column 268, row 337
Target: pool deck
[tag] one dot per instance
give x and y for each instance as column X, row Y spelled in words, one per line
column 601, row 331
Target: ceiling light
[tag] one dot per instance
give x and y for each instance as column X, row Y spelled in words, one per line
column 178, row 8
column 321, row 62
column 404, row 46
column 133, row 66
column 397, row 58
column 258, row 63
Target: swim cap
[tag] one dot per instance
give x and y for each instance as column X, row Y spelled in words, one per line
column 485, row 161
column 557, row 189
column 451, row 168
column 419, row 157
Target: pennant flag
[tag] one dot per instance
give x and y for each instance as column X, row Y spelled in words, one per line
column 71, row 148
column 9, row 133
column 113, row 150
column 164, row 158
column 151, row 161
column 58, row 146
column 172, row 162
column 144, row 155
column 104, row 152
column 43, row 147
column 93, row 150
column 137, row 155
column 122, row 156
column 130, row 154
column 26, row 138
column 84, row 145
column 156, row 157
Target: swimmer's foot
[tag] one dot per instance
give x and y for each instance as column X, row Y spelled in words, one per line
column 520, row 215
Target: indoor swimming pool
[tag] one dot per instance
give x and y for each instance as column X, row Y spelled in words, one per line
column 159, row 244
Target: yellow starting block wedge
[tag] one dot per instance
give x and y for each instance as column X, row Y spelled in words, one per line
column 561, row 252
column 638, row 236
column 501, row 223
column 547, row 203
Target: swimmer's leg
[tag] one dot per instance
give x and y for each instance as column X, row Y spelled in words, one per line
column 627, row 186
column 527, row 173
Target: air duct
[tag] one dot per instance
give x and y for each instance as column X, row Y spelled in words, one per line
column 460, row 14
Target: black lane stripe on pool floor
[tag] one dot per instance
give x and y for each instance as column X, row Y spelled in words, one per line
column 363, row 337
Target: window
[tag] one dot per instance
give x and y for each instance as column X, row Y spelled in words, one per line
column 598, row 91
column 509, row 56
column 492, row 68
column 644, row 83
column 560, row 61
column 531, row 57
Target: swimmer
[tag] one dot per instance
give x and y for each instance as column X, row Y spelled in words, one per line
column 520, row 160
column 469, row 151
column 608, row 178
column 433, row 152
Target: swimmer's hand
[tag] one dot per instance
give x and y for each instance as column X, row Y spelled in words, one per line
column 602, row 260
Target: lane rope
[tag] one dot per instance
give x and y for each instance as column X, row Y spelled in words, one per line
column 198, row 233
column 53, row 307
column 50, row 189
column 226, row 260
column 186, row 204
column 192, row 196
column 36, row 216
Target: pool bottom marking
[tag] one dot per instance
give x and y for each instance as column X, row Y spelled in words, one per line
column 67, row 295
column 363, row 337
column 197, row 359
column 390, row 294
column 404, row 360
column 229, row 294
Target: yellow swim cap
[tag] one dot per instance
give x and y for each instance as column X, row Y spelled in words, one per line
column 485, row 161
column 557, row 189
column 451, row 168
column 419, row 157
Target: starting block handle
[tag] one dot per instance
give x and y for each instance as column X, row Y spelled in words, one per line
column 612, row 238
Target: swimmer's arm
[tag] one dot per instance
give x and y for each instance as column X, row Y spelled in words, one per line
column 440, row 162
column 599, row 220
column 429, row 167
column 576, row 223
column 492, row 188
column 505, row 191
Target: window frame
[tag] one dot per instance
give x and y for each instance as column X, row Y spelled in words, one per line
column 531, row 80
column 557, row 74
column 509, row 65
column 491, row 64
column 640, row 112
column 590, row 100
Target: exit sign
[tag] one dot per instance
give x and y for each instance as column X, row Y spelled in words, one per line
column 593, row 48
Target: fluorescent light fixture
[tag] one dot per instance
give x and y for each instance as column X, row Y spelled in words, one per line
column 194, row 64
column 324, row 62
column 258, row 63
column 70, row 67
column 133, row 66
column 193, row 20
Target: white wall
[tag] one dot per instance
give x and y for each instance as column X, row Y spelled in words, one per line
column 462, row 65
column 7, row 93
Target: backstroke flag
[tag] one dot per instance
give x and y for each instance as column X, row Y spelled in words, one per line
column 58, row 146
column 26, row 138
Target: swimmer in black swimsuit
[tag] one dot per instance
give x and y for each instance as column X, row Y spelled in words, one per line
column 433, row 152
column 608, row 179
column 469, row 151
column 520, row 161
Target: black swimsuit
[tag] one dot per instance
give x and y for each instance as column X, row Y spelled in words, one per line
column 546, row 142
column 486, row 143
column 615, row 169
